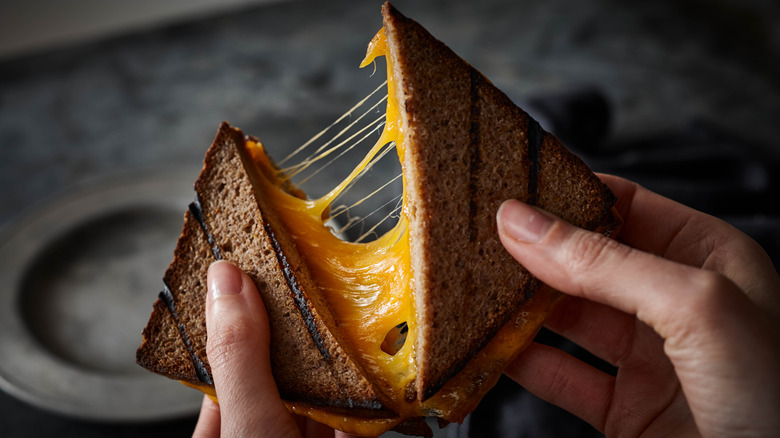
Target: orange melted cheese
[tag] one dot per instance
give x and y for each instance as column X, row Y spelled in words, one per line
column 369, row 288
column 368, row 285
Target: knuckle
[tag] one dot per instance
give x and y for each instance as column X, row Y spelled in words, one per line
column 589, row 251
column 226, row 341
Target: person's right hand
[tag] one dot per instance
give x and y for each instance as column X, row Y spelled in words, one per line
column 686, row 308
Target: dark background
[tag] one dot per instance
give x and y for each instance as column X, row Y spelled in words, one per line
column 687, row 101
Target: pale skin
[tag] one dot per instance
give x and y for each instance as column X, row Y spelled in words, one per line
column 238, row 352
column 683, row 304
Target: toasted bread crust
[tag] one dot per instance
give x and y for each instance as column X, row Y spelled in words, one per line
column 184, row 282
column 162, row 350
column 184, row 293
column 467, row 151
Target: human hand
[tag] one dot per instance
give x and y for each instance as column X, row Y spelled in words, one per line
column 685, row 308
column 238, row 352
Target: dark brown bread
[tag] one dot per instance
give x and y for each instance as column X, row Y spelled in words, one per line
column 163, row 350
column 309, row 363
column 184, row 294
column 179, row 305
column 468, row 149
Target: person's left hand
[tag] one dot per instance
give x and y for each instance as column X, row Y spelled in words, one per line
column 238, row 352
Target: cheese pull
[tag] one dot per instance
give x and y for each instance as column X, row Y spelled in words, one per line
column 421, row 322
column 367, row 285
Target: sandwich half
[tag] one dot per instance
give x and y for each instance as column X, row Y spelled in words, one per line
column 421, row 322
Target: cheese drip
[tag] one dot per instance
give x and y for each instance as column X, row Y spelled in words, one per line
column 368, row 285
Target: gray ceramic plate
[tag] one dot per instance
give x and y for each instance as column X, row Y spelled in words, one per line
column 78, row 276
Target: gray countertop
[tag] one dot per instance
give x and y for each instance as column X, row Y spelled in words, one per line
column 154, row 99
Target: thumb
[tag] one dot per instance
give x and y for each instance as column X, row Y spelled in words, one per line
column 238, row 352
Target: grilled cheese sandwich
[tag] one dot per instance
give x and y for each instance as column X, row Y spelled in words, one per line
column 421, row 321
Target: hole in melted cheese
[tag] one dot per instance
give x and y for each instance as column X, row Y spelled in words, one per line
column 395, row 338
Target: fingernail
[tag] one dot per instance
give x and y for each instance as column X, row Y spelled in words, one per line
column 224, row 279
column 522, row 222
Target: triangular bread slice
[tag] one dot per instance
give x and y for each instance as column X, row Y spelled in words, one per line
column 229, row 222
column 468, row 149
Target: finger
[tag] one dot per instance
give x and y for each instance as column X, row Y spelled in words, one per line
column 208, row 420
column 313, row 429
column 660, row 292
column 238, row 352
column 651, row 222
column 666, row 228
column 612, row 335
column 661, row 226
column 340, row 434
column 564, row 381
column 627, row 343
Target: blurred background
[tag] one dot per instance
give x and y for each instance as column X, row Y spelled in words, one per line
column 110, row 106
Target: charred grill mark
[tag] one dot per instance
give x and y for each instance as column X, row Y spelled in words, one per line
column 200, row 367
column 302, row 303
column 475, row 161
column 197, row 213
column 303, row 306
column 534, row 285
column 534, row 136
column 167, row 297
column 297, row 292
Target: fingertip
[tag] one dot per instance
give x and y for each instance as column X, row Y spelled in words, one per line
column 565, row 381
column 624, row 190
column 522, row 222
column 208, row 424
column 231, row 294
column 209, row 406
column 224, row 278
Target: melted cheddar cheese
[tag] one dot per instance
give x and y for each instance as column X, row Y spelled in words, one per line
column 369, row 288
column 368, row 285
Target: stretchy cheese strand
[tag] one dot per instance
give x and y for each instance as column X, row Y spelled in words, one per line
column 339, row 120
